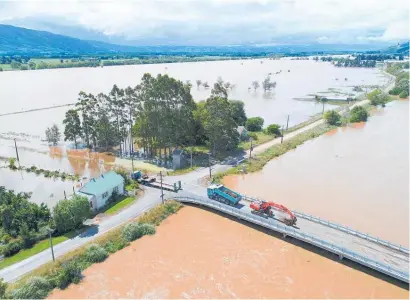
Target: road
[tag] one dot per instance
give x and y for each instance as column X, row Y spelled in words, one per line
column 151, row 197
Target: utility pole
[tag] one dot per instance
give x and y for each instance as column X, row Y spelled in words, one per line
column 17, row 152
column 191, row 157
column 132, row 162
column 51, row 244
column 250, row 150
column 287, row 124
column 281, row 138
column 162, row 190
column 209, row 164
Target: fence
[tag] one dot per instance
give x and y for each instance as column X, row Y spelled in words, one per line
column 352, row 232
column 290, row 231
column 345, row 229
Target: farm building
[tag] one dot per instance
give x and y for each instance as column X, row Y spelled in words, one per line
column 99, row 190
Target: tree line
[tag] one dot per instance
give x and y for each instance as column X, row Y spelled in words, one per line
column 23, row 223
column 159, row 114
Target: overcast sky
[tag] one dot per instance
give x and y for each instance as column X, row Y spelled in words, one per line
column 217, row 22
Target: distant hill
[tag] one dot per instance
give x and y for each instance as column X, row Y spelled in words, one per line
column 402, row 48
column 17, row 40
column 22, row 41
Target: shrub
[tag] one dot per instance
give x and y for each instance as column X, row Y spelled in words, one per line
column 253, row 135
column 395, row 91
column 70, row 214
column 332, row 117
column 3, row 288
column 70, row 272
column 254, row 124
column 404, row 94
column 134, row 231
column 358, row 114
column 13, row 247
column 273, row 129
column 34, row 288
column 379, row 98
column 124, row 173
column 95, row 253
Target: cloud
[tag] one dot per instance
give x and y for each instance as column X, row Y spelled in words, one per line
column 227, row 21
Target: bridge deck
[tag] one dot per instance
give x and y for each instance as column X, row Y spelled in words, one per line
column 387, row 260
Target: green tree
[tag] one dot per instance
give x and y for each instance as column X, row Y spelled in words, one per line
column 72, row 123
column 53, row 134
column 15, row 64
column 87, row 105
column 219, row 124
column 332, row 117
column 238, row 110
column 273, row 129
column 254, row 124
column 107, row 134
column 32, row 65
column 378, row 97
column 322, row 100
column 267, row 84
column 358, row 114
column 70, row 214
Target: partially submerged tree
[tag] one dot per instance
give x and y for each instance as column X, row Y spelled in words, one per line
column 332, row 117
column 72, row 123
column 267, row 84
column 255, row 85
column 358, row 114
column 53, row 134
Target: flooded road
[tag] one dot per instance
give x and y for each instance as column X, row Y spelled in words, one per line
column 198, row 254
column 357, row 176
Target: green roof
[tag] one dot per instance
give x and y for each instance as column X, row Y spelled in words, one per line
column 99, row 185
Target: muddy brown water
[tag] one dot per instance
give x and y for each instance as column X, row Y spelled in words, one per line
column 357, row 176
column 198, row 254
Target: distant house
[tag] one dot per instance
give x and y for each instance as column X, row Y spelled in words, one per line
column 243, row 133
column 99, row 190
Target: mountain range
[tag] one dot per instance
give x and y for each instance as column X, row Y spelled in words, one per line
column 22, row 41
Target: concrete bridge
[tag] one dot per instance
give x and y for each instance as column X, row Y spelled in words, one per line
column 374, row 253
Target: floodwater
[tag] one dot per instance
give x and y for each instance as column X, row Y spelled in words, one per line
column 198, row 254
column 44, row 190
column 357, row 176
column 44, row 88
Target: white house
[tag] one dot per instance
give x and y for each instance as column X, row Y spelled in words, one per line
column 99, row 190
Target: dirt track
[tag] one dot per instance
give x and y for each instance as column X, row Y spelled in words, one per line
column 199, row 254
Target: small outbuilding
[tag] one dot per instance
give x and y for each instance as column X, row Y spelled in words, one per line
column 243, row 133
column 99, row 190
column 178, row 159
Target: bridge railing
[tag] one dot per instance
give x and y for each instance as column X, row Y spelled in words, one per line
column 290, row 231
column 352, row 231
column 344, row 229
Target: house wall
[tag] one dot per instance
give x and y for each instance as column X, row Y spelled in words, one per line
column 102, row 199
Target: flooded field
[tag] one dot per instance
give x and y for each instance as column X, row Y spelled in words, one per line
column 198, row 254
column 44, row 88
column 357, row 176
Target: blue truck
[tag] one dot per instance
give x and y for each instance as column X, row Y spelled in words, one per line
column 222, row 194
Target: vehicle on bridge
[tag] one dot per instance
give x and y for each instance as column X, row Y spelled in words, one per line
column 264, row 208
column 222, row 194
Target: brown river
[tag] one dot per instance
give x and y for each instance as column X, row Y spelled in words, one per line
column 357, row 176
column 198, row 254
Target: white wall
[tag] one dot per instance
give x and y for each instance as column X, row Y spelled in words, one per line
column 100, row 200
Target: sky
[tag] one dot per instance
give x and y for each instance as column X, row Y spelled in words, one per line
column 211, row 22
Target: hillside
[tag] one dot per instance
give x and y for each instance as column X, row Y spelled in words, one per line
column 17, row 40
column 398, row 49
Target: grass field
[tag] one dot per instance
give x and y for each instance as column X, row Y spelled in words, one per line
column 37, row 248
column 120, row 204
column 5, row 67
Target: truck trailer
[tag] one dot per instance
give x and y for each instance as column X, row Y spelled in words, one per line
column 222, row 194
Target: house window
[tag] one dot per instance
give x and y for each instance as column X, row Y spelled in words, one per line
column 105, row 195
column 91, row 204
column 115, row 190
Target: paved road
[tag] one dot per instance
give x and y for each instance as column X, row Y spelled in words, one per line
column 151, row 197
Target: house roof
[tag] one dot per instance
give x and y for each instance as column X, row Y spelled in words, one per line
column 99, row 185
